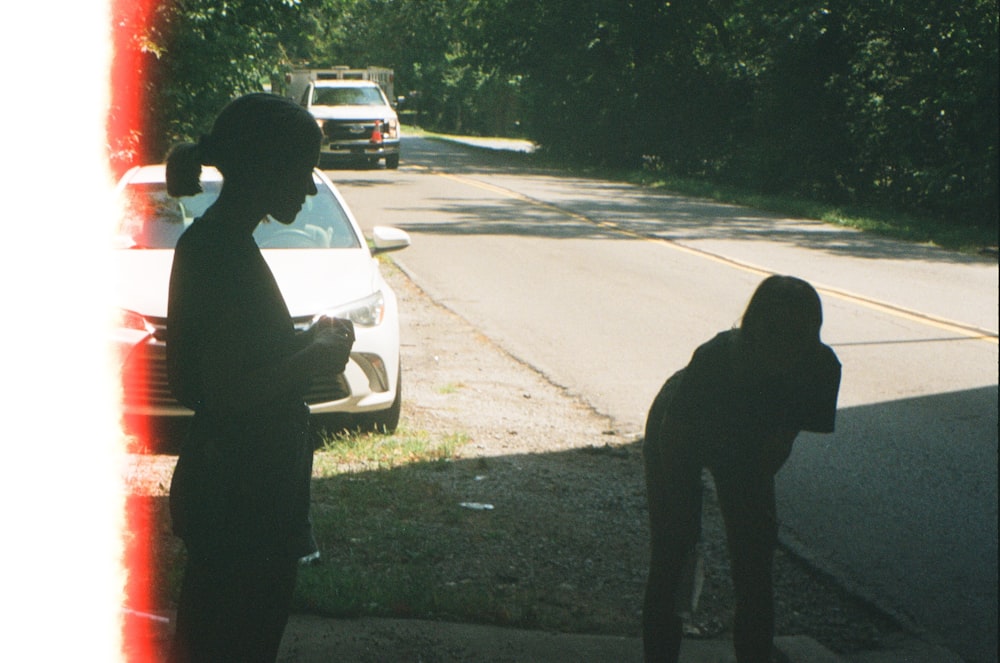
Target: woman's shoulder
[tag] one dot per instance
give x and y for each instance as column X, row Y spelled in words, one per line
column 719, row 347
column 192, row 236
column 203, row 236
column 828, row 355
column 714, row 359
column 198, row 251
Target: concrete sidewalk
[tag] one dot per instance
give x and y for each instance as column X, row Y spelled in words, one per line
column 409, row 641
column 313, row 639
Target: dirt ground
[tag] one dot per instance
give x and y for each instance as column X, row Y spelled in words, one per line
column 574, row 483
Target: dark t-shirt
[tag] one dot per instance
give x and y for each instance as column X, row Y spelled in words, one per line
column 242, row 478
column 226, row 319
column 724, row 412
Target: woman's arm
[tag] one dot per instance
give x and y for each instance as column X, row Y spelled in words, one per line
column 327, row 350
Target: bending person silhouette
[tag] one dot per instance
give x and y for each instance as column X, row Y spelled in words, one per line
column 735, row 409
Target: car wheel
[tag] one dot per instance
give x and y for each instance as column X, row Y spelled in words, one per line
column 383, row 421
column 392, row 161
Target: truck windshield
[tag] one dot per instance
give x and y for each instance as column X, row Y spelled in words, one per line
column 347, row 96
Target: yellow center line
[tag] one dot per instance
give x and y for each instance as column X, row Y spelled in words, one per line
column 970, row 331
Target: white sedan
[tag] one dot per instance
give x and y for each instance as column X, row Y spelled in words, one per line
column 322, row 264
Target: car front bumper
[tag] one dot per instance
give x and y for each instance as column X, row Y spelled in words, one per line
column 368, row 383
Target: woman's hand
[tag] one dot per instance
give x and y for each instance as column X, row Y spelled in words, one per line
column 332, row 339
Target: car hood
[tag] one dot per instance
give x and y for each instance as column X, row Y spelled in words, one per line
column 351, row 112
column 311, row 281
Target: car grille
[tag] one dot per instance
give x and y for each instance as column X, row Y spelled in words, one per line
column 145, row 385
column 144, row 377
column 354, row 130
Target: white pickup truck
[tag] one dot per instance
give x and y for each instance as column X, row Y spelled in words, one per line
column 351, row 108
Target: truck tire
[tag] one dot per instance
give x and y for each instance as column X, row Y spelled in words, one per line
column 392, row 161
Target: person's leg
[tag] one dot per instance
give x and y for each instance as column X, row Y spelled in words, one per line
column 233, row 610
column 748, row 508
column 275, row 602
column 673, row 493
column 199, row 617
column 661, row 626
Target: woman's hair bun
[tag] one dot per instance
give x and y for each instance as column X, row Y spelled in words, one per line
column 184, row 170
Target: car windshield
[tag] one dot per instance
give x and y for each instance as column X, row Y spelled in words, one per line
column 151, row 219
column 347, row 96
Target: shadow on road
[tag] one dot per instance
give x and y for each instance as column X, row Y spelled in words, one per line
column 913, row 515
column 602, row 209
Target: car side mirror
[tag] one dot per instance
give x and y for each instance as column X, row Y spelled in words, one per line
column 386, row 238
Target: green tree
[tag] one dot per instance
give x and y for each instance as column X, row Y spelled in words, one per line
column 191, row 57
column 889, row 103
column 922, row 101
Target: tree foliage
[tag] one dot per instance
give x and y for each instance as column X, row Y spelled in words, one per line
column 887, row 103
column 188, row 59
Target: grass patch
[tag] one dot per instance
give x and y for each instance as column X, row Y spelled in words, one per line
column 414, row 130
column 388, row 530
column 396, row 541
column 968, row 239
column 450, row 388
column 345, row 452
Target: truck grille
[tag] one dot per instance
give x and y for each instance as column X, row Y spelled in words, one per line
column 348, row 130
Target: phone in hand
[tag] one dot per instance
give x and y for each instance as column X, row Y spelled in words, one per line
column 338, row 326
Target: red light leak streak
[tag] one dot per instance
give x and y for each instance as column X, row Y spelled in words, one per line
column 130, row 29
column 144, row 634
column 131, row 21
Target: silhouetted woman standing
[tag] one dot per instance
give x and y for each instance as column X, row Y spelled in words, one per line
column 735, row 409
column 239, row 497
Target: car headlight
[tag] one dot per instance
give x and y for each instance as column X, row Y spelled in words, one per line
column 367, row 312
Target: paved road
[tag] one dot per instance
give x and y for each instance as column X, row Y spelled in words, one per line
column 607, row 289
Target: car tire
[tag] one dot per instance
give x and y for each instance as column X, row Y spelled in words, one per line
column 392, row 161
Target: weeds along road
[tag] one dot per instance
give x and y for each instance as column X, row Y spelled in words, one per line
column 607, row 289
